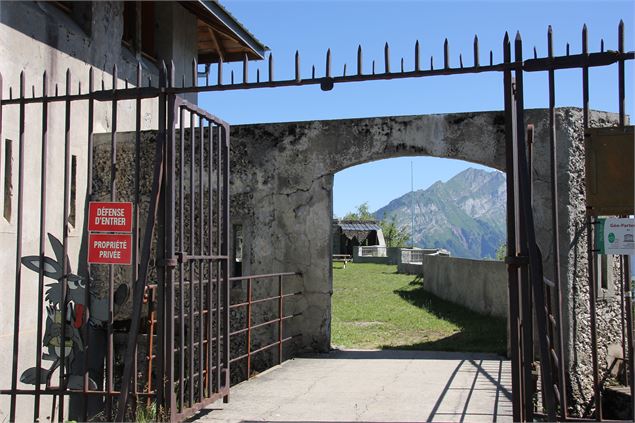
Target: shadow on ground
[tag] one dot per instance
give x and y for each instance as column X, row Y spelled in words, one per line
column 483, row 333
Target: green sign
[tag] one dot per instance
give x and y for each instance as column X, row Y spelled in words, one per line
column 615, row 236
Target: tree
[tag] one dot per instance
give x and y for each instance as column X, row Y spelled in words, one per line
column 393, row 234
column 501, row 253
column 362, row 213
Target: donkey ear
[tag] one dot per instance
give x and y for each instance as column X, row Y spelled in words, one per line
column 50, row 267
column 58, row 249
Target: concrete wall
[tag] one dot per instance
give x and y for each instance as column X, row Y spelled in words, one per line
column 37, row 37
column 282, row 194
column 480, row 285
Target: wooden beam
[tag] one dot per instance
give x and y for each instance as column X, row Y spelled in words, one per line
column 216, row 43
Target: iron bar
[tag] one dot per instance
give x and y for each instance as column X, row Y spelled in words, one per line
column 512, row 270
column 201, row 219
column 182, row 248
column 280, row 315
column 190, row 330
column 629, row 329
column 620, row 74
column 225, row 251
column 446, row 54
column 135, row 217
column 168, row 244
column 65, row 231
column 270, row 67
column 210, row 262
column 529, row 235
column 42, row 248
column 263, row 348
column 386, row 58
column 555, row 224
column 249, row 299
column 18, row 255
column 360, row 63
column 297, row 66
column 111, row 276
column 218, row 264
column 87, row 289
column 140, row 284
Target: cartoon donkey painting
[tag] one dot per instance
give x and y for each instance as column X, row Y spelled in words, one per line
column 76, row 310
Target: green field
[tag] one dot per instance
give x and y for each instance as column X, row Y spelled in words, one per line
column 374, row 307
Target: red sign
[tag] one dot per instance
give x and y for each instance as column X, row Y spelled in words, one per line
column 110, row 248
column 109, row 217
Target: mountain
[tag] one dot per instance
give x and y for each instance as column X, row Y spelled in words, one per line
column 465, row 215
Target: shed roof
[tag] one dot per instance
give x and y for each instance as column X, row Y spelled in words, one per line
column 221, row 36
column 359, row 226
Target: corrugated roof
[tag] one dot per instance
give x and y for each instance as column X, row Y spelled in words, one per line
column 359, row 226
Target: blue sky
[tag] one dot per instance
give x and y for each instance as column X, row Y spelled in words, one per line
column 314, row 26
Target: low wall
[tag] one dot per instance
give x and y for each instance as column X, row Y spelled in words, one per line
column 393, row 255
column 480, row 285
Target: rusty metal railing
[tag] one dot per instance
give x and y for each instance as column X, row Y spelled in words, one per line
column 281, row 317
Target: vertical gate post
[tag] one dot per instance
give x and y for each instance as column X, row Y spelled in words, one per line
column 512, row 267
column 169, row 257
column 529, row 237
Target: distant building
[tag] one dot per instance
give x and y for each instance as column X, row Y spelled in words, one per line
column 348, row 234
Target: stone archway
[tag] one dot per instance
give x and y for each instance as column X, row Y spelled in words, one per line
column 282, row 195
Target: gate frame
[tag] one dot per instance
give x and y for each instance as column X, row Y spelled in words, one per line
column 529, row 290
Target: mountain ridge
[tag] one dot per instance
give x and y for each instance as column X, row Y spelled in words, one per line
column 465, row 215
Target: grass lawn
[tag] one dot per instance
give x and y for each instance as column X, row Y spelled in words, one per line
column 374, row 307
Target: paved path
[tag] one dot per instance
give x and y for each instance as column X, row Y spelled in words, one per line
column 374, row 386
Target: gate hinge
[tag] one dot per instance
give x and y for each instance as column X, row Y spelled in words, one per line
column 516, row 261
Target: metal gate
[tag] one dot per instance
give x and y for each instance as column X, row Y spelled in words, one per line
column 177, row 355
column 189, row 205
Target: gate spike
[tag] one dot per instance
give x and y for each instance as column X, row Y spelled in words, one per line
column 32, row 91
column 245, row 68
column 23, row 82
column 344, row 74
column 567, row 49
column 328, row 63
column 620, row 36
column 373, row 67
column 402, row 65
column 491, row 58
column 359, row 59
column 550, row 41
column 45, row 83
column 56, row 90
column 602, row 45
column 171, row 74
column 417, row 57
column 535, row 53
column 220, row 71
column 68, row 81
column 461, row 60
column 446, row 54
column 297, row 66
column 79, row 87
column 11, row 93
column 232, row 78
column 585, row 40
column 386, row 58
column 431, row 62
column 476, row 64
column 114, row 76
column 257, row 75
column 194, row 72
column 313, row 72
column 139, row 74
column 270, row 67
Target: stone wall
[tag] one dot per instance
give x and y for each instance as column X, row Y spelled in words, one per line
column 480, row 285
column 282, row 195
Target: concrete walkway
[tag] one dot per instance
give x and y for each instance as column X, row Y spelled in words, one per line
column 374, row 386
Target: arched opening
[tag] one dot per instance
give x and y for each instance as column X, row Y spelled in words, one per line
column 425, row 237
